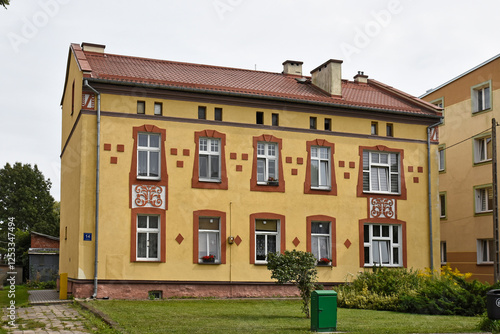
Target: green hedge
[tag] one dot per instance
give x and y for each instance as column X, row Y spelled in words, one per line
column 446, row 292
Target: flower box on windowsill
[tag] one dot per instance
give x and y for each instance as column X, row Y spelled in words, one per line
column 272, row 182
column 208, row 259
column 324, row 262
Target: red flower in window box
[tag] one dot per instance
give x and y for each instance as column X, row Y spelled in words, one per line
column 324, row 261
column 208, row 258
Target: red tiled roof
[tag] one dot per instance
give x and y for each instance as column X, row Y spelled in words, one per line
column 246, row 82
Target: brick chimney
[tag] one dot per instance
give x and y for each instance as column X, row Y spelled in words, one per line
column 361, row 78
column 328, row 77
column 90, row 47
column 292, row 67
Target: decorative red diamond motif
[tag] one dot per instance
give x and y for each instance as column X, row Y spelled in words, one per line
column 347, row 243
column 296, row 242
column 237, row 240
column 179, row 238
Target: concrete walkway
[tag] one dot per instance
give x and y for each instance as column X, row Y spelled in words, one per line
column 47, row 314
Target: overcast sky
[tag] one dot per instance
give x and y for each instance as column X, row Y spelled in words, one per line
column 410, row 45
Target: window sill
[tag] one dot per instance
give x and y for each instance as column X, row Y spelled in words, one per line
column 373, row 266
column 477, row 112
column 324, row 264
column 209, row 263
column 269, row 183
column 322, row 188
column 145, row 178
column 147, row 261
column 380, row 193
column 483, row 162
column 210, row 181
column 485, row 264
column 484, row 213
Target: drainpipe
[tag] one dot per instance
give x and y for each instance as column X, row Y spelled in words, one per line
column 429, row 185
column 97, row 174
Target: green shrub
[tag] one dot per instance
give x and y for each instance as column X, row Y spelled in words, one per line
column 37, row 285
column 424, row 292
column 488, row 325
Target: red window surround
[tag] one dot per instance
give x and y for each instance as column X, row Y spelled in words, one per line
column 381, row 148
column 362, row 223
column 281, row 177
column 307, row 183
column 195, row 183
column 133, row 242
column 266, row 215
column 133, row 168
column 162, row 182
column 196, row 219
column 333, row 227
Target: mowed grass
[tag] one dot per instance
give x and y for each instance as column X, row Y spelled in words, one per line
column 265, row 316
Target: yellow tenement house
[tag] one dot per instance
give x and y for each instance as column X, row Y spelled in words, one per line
column 178, row 179
column 470, row 101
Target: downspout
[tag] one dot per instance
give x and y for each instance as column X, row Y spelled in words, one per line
column 97, row 174
column 429, row 186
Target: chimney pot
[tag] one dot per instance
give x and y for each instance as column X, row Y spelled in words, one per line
column 361, row 77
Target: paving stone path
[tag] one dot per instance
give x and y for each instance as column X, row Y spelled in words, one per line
column 47, row 314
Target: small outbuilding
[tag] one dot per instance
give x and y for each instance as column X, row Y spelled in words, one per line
column 43, row 257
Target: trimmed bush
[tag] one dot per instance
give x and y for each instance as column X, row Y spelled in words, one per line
column 423, row 292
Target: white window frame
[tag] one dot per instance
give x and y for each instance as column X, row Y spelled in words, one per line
column 318, row 156
column 267, row 155
column 485, row 251
column 481, row 97
column 481, row 199
column 481, row 149
column 149, row 150
column 266, row 234
column 373, row 169
column 158, row 108
column 210, row 147
column 442, row 205
column 148, row 231
column 204, row 233
column 442, row 158
column 390, row 240
column 322, row 236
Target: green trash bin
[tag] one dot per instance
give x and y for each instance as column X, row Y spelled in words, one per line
column 323, row 311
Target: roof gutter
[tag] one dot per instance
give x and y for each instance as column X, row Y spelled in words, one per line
column 97, row 175
column 257, row 96
column 429, row 194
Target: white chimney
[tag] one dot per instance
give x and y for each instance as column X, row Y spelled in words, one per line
column 90, row 47
column 292, row 67
column 328, row 77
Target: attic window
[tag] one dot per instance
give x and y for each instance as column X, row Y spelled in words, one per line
column 259, row 117
column 141, row 107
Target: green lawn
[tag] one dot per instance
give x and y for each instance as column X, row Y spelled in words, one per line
column 21, row 296
column 265, row 316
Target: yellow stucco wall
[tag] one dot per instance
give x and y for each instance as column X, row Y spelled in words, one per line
column 462, row 227
column 238, row 202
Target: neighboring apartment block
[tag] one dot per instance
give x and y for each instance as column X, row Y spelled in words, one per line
column 470, row 101
column 201, row 171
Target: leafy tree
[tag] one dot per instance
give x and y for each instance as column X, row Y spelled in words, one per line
column 4, row 3
column 25, row 196
column 295, row 267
